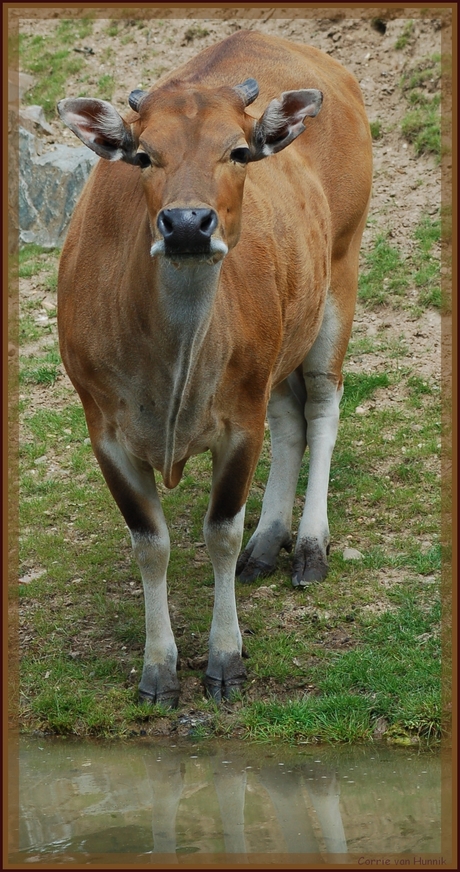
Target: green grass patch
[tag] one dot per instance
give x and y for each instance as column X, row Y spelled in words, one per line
column 394, row 673
column 196, row 31
column 359, row 387
column 427, row 267
column 33, row 260
column 52, row 62
column 45, row 374
column 105, row 87
column 337, row 719
column 113, row 28
column 421, row 125
column 376, row 129
column 386, row 272
column 428, row 70
column 388, row 275
column 405, row 37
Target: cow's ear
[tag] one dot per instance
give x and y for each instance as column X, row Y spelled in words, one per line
column 100, row 127
column 283, row 121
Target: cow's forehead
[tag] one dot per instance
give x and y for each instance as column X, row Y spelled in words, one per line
column 188, row 115
column 183, row 101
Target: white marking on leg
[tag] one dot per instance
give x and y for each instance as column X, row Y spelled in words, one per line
column 152, row 555
column 223, row 541
column 288, row 441
column 322, row 416
column 151, row 551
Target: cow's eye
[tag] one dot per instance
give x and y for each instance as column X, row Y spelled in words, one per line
column 143, row 160
column 240, row 155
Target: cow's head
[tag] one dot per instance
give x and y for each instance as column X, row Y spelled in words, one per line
column 192, row 146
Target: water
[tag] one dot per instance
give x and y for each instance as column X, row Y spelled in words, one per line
column 80, row 801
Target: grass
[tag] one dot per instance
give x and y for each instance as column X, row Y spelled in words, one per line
column 388, row 275
column 196, row 31
column 323, row 666
column 105, row 87
column 376, row 129
column 51, row 65
column 405, row 37
column 421, row 125
column 52, row 60
column 43, row 373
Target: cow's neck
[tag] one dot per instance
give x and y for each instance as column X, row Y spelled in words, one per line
column 186, row 297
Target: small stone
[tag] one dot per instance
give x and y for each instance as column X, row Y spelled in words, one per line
column 380, row 727
column 360, row 410
column 34, row 116
column 352, row 554
column 33, row 575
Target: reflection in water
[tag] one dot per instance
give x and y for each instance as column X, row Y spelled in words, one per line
column 150, row 798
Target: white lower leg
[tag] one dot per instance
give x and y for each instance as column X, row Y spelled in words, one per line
column 322, row 414
column 152, row 555
column 223, row 542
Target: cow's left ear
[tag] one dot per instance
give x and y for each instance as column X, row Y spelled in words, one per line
column 100, row 127
column 283, row 121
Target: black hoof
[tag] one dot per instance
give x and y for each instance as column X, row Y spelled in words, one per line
column 309, row 564
column 220, row 691
column 159, row 685
column 248, row 569
column 168, row 700
column 227, row 678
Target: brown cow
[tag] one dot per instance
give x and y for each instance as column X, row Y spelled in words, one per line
column 209, row 275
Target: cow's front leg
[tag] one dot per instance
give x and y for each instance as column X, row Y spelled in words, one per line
column 133, row 487
column 223, row 531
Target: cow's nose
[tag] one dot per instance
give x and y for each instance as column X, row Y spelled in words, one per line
column 187, row 231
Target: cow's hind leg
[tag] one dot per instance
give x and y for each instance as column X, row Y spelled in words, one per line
column 288, row 440
column 133, row 487
column 323, row 382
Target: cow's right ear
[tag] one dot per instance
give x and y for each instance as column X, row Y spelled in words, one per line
column 100, row 127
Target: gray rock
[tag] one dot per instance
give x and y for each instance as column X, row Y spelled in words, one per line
column 49, row 187
column 18, row 85
column 352, row 554
column 34, row 116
